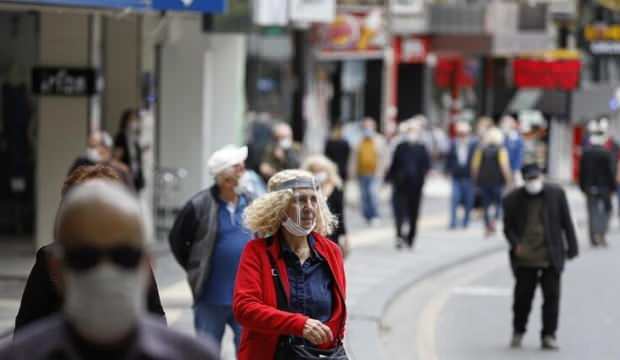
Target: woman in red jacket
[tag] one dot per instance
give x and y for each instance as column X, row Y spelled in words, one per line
column 290, row 288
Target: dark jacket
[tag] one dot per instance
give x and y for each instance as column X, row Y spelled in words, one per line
column 456, row 170
column 560, row 235
column 193, row 236
column 335, row 202
column 41, row 299
column 410, row 164
column 597, row 175
column 339, row 151
column 122, row 142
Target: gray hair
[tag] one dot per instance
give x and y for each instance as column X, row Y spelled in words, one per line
column 101, row 193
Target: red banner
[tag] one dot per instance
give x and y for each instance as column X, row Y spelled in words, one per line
column 542, row 74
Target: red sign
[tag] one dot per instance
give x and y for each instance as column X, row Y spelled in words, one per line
column 542, row 74
column 450, row 72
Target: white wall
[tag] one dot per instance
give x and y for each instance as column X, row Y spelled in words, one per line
column 63, row 121
column 202, row 88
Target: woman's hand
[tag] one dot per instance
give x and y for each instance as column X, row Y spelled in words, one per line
column 317, row 333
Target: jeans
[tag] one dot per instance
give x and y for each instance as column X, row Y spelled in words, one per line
column 368, row 192
column 527, row 280
column 212, row 319
column 599, row 210
column 491, row 196
column 462, row 194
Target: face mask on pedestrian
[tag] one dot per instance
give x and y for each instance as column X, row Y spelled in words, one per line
column 321, row 177
column 104, row 300
column 534, row 186
column 285, row 143
column 93, row 154
column 305, row 206
column 368, row 132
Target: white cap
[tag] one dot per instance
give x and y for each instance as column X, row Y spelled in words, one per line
column 226, row 157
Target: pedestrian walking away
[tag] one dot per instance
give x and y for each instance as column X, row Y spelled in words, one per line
column 127, row 147
column 338, row 150
column 41, row 297
column 597, row 180
column 102, row 269
column 326, row 174
column 539, row 228
column 407, row 174
column 515, row 147
column 491, row 172
column 458, row 165
column 207, row 239
column 290, row 294
column 367, row 164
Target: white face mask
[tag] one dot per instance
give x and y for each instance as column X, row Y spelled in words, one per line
column 104, row 303
column 321, row 177
column 534, row 186
column 286, row 143
column 93, row 155
column 297, row 230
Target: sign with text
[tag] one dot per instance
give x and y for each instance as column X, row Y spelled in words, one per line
column 64, row 81
column 204, row 6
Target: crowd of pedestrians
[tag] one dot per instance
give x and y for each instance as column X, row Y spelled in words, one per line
column 263, row 247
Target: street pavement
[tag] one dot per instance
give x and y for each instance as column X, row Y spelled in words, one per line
column 380, row 279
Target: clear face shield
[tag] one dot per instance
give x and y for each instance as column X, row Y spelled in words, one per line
column 305, row 208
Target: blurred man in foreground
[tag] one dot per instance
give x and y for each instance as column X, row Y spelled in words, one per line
column 102, row 266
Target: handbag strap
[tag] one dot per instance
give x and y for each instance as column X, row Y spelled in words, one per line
column 277, row 280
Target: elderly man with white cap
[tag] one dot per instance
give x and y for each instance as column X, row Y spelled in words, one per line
column 207, row 240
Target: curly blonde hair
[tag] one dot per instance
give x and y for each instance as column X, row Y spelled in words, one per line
column 318, row 163
column 265, row 215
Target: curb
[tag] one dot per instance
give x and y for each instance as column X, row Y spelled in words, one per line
column 364, row 342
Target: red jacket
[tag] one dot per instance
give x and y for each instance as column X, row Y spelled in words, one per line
column 255, row 301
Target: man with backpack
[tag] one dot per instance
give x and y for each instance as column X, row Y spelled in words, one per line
column 207, row 240
column 491, row 172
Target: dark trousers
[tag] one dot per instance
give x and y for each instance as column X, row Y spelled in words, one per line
column 491, row 196
column 527, row 280
column 407, row 200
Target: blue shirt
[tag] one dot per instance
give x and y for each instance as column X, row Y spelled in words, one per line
column 230, row 241
column 311, row 283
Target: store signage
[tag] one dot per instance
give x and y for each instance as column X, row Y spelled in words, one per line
column 352, row 32
column 204, row 6
column 64, row 81
column 602, row 32
column 543, row 74
column 313, row 10
column 411, row 50
column 123, row 4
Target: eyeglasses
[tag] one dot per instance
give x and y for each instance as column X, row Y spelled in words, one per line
column 84, row 258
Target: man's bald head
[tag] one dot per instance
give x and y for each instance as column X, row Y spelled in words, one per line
column 101, row 214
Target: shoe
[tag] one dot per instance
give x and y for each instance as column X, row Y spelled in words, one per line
column 550, row 343
column 399, row 243
column 516, row 341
